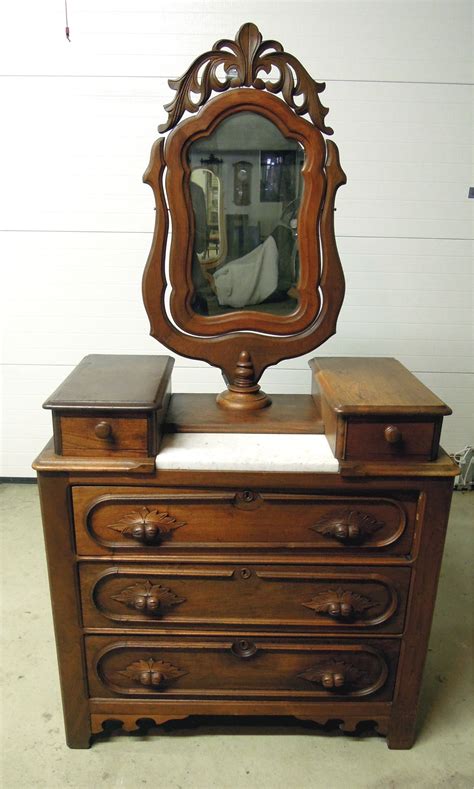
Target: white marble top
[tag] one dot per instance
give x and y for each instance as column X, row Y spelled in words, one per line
column 246, row 452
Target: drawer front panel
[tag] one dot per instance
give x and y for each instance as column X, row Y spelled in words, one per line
column 104, row 435
column 334, row 598
column 369, row 440
column 241, row 668
column 153, row 522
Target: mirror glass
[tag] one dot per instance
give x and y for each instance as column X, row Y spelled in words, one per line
column 246, row 188
column 206, row 197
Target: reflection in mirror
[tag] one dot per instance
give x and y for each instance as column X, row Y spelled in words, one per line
column 245, row 204
column 209, row 240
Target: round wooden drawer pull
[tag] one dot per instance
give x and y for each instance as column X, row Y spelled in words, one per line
column 392, row 434
column 103, row 430
column 331, row 679
column 149, row 604
column 340, row 610
column 151, row 679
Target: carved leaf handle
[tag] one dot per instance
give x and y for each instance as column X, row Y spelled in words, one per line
column 148, row 598
column 333, row 674
column 152, row 673
column 339, row 603
column 348, row 526
column 148, row 526
column 333, row 679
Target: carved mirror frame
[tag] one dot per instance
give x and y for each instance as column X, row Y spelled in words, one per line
column 243, row 343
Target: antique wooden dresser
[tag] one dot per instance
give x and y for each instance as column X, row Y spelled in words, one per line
column 245, row 555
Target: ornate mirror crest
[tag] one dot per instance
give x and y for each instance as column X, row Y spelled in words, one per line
column 254, row 276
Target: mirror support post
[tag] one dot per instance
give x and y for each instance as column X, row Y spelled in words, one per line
column 243, row 394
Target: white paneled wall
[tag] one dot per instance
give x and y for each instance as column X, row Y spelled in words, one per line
column 76, row 219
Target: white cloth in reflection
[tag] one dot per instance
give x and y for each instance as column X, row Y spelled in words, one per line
column 249, row 279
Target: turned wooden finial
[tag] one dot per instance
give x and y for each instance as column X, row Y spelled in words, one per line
column 243, row 393
column 244, row 373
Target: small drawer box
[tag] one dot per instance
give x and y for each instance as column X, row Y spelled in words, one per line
column 106, row 434
column 112, row 405
column 375, row 409
column 391, row 439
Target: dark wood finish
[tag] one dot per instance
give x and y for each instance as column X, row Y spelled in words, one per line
column 180, row 592
column 217, row 521
column 256, row 668
column 177, row 185
column 65, row 599
column 247, row 56
column 222, row 339
column 188, row 595
column 402, row 727
column 114, row 382
column 443, row 466
column 243, row 394
column 48, row 460
column 88, row 424
column 367, row 440
column 198, row 413
column 376, row 409
column 129, row 714
column 230, row 334
column 346, row 561
column 104, row 435
column 356, row 386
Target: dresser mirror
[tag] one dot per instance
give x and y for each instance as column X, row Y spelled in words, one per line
column 248, row 183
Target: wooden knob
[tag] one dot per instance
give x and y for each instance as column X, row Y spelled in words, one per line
column 151, row 679
column 340, row 610
column 152, row 604
column 103, row 430
column 392, row 434
column 331, row 679
column 148, row 604
column 146, row 533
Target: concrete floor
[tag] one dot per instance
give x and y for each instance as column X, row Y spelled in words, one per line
column 214, row 755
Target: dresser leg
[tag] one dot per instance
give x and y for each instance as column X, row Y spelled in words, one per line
column 401, row 734
column 65, row 596
column 79, row 739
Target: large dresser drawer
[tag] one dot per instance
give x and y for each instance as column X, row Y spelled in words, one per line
column 223, row 596
column 160, row 522
column 226, row 667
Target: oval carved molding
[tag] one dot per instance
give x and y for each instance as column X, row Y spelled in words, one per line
column 344, row 676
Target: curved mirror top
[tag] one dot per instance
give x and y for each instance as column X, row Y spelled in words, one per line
column 246, row 188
